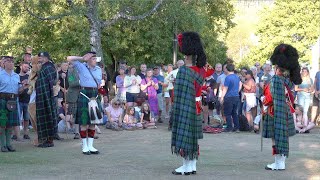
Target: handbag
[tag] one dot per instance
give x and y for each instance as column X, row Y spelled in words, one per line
column 12, row 105
column 142, row 96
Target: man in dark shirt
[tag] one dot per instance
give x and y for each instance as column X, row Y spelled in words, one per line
column 143, row 71
column 24, row 99
column 64, row 85
column 26, row 58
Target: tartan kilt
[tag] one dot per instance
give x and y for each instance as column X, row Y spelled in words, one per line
column 198, row 127
column 83, row 117
column 72, row 110
column 268, row 126
column 8, row 118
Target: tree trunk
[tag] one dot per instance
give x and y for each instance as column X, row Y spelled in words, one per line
column 95, row 27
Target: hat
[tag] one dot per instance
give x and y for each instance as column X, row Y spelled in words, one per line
column 45, row 54
column 156, row 67
column 190, row 44
column 7, row 58
column 98, row 59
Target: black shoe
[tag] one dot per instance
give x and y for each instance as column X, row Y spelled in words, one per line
column 11, row 149
column 76, row 136
column 26, row 136
column 50, row 144
column 14, row 137
column 194, row 172
column 4, row 149
column 86, row 153
column 94, row 152
column 57, row 137
column 179, row 173
column 43, row 145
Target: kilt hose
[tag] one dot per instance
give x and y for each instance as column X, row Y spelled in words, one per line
column 72, row 110
column 83, row 117
column 8, row 118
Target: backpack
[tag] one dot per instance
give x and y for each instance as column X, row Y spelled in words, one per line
column 243, row 123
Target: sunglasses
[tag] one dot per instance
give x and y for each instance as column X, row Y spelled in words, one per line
column 117, row 104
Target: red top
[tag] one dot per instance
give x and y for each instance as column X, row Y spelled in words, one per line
column 204, row 73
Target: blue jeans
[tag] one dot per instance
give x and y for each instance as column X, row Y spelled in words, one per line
column 304, row 100
column 231, row 105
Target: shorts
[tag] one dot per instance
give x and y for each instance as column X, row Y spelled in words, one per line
column 160, row 101
column 24, row 111
column 315, row 101
column 131, row 97
column 166, row 94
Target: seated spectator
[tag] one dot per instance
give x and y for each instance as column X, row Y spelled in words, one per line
column 147, row 117
column 66, row 122
column 114, row 113
column 302, row 124
column 105, row 105
column 129, row 120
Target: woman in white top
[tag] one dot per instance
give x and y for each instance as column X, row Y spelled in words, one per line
column 132, row 84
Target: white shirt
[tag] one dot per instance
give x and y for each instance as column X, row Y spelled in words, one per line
column 132, row 88
column 170, row 78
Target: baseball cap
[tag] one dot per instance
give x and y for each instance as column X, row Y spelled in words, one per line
column 45, row 54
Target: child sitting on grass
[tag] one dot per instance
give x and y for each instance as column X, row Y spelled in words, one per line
column 147, row 118
column 129, row 121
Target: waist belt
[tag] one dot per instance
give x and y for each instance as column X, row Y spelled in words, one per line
column 8, row 96
column 89, row 88
column 198, row 98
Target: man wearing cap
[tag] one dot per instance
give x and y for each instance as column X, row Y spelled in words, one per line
column 90, row 76
column 9, row 90
column 46, row 113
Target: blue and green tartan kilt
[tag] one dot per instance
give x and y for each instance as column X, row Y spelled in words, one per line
column 72, row 110
column 83, row 117
column 8, row 118
column 268, row 127
column 198, row 127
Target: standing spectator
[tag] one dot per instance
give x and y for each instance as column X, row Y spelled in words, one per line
column 217, row 71
column 249, row 88
column 265, row 78
column 9, row 90
column 259, row 72
column 29, row 50
column 24, row 99
column 220, row 84
column 46, row 106
column 207, row 99
column 106, row 80
column 230, row 99
column 166, row 86
column 150, row 86
column 90, row 76
column 316, row 98
column 26, row 57
column 121, row 90
column 132, row 84
column 72, row 97
column 121, row 63
column 64, row 85
column 304, row 91
column 143, row 71
column 32, row 91
column 160, row 78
